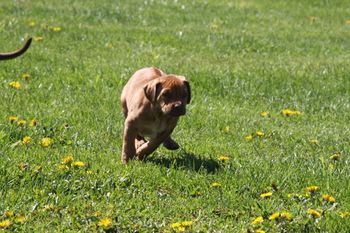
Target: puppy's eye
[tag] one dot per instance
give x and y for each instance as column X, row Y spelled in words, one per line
column 167, row 95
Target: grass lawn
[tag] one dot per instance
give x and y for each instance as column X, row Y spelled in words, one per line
column 237, row 170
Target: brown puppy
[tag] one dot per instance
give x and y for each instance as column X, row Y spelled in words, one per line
column 6, row 56
column 152, row 104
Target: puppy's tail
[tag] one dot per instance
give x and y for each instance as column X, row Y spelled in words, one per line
column 6, row 56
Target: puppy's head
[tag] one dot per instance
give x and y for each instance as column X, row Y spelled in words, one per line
column 170, row 93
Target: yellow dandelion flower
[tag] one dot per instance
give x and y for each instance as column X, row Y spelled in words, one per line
column 38, row 38
column 335, row 157
column 89, row 172
column 46, row 142
column 175, row 225
column 15, row 85
column 32, row 23
column 286, row 215
column 68, row 159
column 21, row 122
column 78, row 164
column 20, row 218
column 264, row 114
column 314, row 213
column 13, row 119
column 4, row 224
column 344, row 214
column 347, row 21
column 266, row 195
column 249, row 137
column 105, row 223
column 314, row 141
column 312, row 188
column 33, row 123
column 26, row 140
column 63, row 168
column 259, row 133
column 259, row 231
column 223, row 158
column 56, row 29
column 215, row 184
column 9, row 213
column 257, row 220
column 226, row 129
column 328, row 198
column 288, row 112
column 25, row 76
column 186, row 223
column 274, row 216
column 181, row 229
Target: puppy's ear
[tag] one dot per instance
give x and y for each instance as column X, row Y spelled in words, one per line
column 152, row 91
column 187, row 84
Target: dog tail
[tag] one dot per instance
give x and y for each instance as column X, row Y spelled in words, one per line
column 6, row 56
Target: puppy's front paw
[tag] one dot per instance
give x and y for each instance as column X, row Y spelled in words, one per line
column 170, row 144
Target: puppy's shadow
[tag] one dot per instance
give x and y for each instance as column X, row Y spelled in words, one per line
column 187, row 161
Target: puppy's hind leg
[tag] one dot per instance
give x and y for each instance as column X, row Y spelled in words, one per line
column 170, row 144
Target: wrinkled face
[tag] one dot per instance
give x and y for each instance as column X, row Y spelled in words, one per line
column 172, row 93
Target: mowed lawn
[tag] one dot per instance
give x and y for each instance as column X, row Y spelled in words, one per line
column 265, row 144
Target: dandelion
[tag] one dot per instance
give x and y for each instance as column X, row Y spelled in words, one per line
column 347, row 22
column 46, row 142
column 15, row 85
column 63, row 168
column 4, row 224
column 33, row 123
column 266, row 195
column 9, row 213
column 344, row 214
column 259, row 231
column 20, row 218
column 328, row 198
column 25, row 76
column 26, row 140
column 312, row 188
column 89, row 172
column 288, row 112
column 38, row 38
column 226, row 129
column 21, row 122
column 274, row 216
column 259, row 133
column 32, row 23
column 257, row 220
column 56, row 29
column 248, row 138
column 68, row 159
column 223, row 158
column 186, row 223
column 105, row 223
column 264, row 114
column 335, row 157
column 215, row 184
column 286, row 215
column 314, row 141
column 314, row 213
column 78, row 164
column 181, row 226
column 13, row 119
column 175, row 225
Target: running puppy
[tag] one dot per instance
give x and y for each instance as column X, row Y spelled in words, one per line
column 152, row 103
column 6, row 56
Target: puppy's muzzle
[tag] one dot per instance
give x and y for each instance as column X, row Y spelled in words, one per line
column 178, row 109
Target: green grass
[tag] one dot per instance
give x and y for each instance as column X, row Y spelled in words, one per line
column 241, row 58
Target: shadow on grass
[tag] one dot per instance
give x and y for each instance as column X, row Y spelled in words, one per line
column 187, row 161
